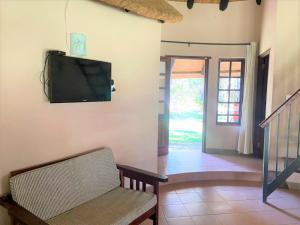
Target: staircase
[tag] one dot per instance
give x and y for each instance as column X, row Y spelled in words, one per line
column 281, row 145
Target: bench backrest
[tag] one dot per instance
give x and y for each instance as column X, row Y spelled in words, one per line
column 51, row 190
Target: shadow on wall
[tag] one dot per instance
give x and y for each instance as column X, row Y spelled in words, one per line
column 4, row 220
column 4, row 183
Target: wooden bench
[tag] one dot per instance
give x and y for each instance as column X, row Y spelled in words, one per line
column 85, row 188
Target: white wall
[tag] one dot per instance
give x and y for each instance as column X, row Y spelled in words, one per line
column 205, row 23
column 287, row 55
column 33, row 131
column 267, row 43
column 281, row 34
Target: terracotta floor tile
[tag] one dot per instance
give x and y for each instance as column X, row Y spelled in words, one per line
column 219, row 207
column 180, row 221
column 197, row 209
column 190, row 158
column 162, row 221
column 181, row 189
column 190, row 197
column 285, row 203
column 284, row 193
column 239, row 219
column 275, row 217
column 294, row 213
column 171, row 211
column 298, row 223
column 204, row 189
column 249, row 205
column 206, row 220
column 233, row 203
column 212, row 196
column 169, row 199
column 232, row 195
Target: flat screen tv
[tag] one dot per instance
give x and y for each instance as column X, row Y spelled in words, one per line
column 78, row 80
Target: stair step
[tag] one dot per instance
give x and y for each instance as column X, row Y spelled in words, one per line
column 294, row 181
column 281, row 164
column 293, row 138
column 292, row 153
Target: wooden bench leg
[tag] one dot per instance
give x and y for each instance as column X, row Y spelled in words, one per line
column 14, row 221
column 155, row 220
column 155, row 216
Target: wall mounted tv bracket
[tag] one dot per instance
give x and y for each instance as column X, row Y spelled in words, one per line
column 56, row 52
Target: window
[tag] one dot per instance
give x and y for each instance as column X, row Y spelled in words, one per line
column 230, row 91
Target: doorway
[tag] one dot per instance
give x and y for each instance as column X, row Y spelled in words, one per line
column 187, row 103
column 182, row 103
column 260, row 104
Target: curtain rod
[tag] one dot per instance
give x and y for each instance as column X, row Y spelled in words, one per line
column 201, row 43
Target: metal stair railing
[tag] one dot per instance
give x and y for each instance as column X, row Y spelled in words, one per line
column 289, row 167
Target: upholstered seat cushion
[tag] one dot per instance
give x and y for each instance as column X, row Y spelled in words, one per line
column 118, row 207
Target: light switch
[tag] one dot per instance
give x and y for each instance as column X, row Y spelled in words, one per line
column 78, row 44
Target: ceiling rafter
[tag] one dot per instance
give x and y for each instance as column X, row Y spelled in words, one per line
column 223, row 4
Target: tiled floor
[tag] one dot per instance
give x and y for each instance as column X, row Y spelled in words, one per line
column 189, row 158
column 226, row 203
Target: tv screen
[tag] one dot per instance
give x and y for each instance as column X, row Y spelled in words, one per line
column 78, row 80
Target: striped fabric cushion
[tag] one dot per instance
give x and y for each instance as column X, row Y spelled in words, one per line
column 55, row 189
column 48, row 191
column 117, row 207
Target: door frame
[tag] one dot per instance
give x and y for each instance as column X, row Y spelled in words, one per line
column 259, row 73
column 206, row 73
column 163, row 119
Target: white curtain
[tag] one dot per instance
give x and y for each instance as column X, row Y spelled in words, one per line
column 245, row 144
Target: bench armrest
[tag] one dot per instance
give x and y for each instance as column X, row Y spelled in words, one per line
column 139, row 176
column 20, row 214
column 142, row 175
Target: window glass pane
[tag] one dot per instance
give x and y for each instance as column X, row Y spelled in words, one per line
column 236, row 68
column 162, row 67
column 235, row 83
column 161, row 81
column 161, row 95
column 233, row 119
column 234, row 109
column 224, row 83
column 222, row 119
column 222, row 108
column 234, row 96
column 223, row 96
column 229, row 91
column 224, row 69
column 161, row 108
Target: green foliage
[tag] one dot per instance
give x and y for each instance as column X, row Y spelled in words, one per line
column 186, row 115
column 186, row 110
column 185, row 127
column 185, row 136
column 187, row 94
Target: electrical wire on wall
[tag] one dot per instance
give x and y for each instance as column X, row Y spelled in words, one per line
column 44, row 78
column 66, row 25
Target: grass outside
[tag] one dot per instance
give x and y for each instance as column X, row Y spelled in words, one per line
column 185, row 136
column 186, row 105
column 185, row 127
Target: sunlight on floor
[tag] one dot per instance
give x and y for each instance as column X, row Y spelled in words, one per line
column 190, row 158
